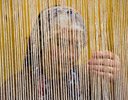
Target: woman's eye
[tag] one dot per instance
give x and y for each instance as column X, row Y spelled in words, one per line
column 76, row 45
column 63, row 43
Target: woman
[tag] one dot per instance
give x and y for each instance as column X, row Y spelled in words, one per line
column 55, row 46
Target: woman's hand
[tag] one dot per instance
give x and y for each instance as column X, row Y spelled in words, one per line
column 104, row 64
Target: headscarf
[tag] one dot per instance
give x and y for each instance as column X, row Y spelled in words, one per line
column 51, row 19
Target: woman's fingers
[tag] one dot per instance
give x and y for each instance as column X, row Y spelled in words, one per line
column 104, row 62
column 102, row 74
column 105, row 69
column 105, row 55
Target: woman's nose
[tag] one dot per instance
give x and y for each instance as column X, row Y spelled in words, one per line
column 71, row 54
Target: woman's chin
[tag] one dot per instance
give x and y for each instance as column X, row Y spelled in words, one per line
column 65, row 70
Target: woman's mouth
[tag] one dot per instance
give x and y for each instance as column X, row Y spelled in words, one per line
column 67, row 65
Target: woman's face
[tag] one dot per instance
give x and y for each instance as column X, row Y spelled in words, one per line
column 63, row 50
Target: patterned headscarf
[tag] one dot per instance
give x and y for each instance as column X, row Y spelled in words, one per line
column 48, row 19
